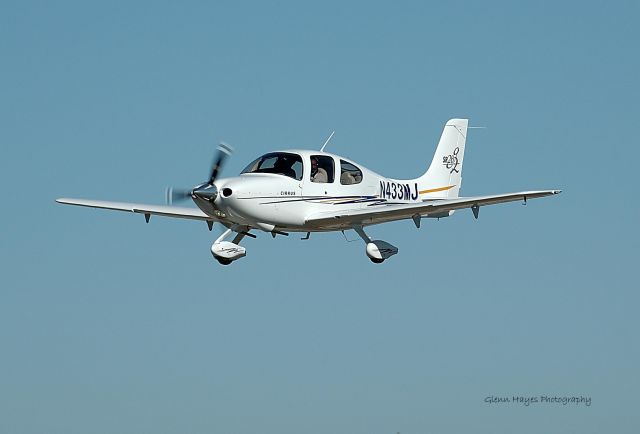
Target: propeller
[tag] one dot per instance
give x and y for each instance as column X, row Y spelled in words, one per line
column 176, row 195
column 206, row 190
column 224, row 150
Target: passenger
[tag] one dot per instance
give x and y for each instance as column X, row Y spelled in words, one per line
column 318, row 174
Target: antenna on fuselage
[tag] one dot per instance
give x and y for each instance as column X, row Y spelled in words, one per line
column 327, row 141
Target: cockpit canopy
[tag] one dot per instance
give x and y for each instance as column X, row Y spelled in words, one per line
column 321, row 168
column 279, row 163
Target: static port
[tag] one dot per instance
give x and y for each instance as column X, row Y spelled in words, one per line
column 226, row 192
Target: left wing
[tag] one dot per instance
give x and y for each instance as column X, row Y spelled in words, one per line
column 147, row 210
column 386, row 212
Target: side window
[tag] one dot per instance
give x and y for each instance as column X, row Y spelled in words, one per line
column 322, row 169
column 349, row 174
column 279, row 163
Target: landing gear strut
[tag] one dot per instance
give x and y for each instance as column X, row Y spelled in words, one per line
column 377, row 250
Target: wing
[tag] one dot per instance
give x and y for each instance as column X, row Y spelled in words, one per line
column 386, row 212
column 147, row 210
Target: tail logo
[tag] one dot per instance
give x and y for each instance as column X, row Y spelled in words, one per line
column 451, row 161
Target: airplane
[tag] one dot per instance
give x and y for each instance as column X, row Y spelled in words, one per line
column 316, row 191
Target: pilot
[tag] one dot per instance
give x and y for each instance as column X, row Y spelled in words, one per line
column 283, row 166
column 318, row 174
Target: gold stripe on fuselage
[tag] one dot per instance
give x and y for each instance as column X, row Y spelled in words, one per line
column 433, row 190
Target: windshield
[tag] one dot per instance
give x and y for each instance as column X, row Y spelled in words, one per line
column 279, row 163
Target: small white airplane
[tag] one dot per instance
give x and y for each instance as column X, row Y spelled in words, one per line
column 315, row 191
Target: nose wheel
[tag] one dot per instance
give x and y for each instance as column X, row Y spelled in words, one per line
column 225, row 252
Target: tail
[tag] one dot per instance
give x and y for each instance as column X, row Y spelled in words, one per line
column 443, row 178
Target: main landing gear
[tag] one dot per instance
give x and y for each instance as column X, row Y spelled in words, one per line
column 377, row 250
column 225, row 252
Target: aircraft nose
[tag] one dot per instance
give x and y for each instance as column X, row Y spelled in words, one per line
column 208, row 192
column 230, row 190
column 227, row 192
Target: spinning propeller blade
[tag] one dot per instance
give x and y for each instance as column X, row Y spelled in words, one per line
column 176, row 195
column 224, row 151
column 181, row 194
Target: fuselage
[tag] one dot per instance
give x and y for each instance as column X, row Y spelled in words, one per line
column 285, row 197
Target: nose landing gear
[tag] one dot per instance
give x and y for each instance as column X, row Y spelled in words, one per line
column 225, row 252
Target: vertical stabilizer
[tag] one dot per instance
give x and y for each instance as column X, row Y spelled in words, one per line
column 444, row 176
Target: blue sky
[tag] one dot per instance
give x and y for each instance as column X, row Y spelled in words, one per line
column 110, row 325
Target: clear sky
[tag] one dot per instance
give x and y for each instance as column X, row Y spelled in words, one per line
column 111, row 325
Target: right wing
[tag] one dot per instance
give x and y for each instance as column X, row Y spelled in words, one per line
column 147, row 210
column 386, row 212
